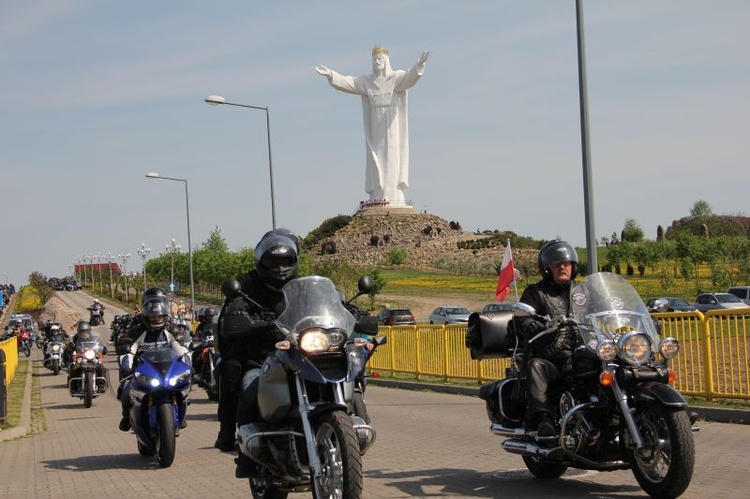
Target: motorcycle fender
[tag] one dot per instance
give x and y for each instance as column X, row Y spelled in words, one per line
column 661, row 393
column 274, row 396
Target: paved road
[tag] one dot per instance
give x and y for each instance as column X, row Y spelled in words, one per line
column 429, row 445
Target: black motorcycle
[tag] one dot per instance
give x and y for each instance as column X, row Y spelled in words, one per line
column 616, row 407
column 307, row 439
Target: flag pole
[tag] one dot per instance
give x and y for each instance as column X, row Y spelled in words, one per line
column 515, row 281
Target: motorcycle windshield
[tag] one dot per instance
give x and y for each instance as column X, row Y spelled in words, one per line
column 607, row 306
column 89, row 345
column 313, row 301
column 161, row 358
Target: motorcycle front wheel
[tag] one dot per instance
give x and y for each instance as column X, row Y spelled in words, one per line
column 664, row 465
column 341, row 462
column 88, row 389
column 166, row 444
column 56, row 367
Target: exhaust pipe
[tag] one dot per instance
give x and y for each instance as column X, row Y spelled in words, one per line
column 524, row 448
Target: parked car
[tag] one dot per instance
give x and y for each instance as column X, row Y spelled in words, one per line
column 452, row 314
column 741, row 292
column 675, row 304
column 396, row 317
column 496, row 307
column 717, row 301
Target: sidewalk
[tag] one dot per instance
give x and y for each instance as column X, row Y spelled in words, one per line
column 715, row 414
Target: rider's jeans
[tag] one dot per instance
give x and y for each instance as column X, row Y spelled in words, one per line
column 247, row 408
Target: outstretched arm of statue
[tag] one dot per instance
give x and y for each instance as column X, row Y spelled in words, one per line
column 323, row 70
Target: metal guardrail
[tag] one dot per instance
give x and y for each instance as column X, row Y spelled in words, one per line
column 714, row 358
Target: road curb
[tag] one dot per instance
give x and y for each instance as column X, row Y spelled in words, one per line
column 24, row 425
column 714, row 414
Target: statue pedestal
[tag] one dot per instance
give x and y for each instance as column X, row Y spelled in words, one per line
column 379, row 211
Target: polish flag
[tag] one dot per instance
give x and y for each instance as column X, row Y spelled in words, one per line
column 507, row 275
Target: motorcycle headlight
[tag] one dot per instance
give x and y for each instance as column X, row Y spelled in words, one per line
column 314, row 340
column 179, row 379
column 669, row 347
column 634, row 347
column 89, row 354
column 55, row 348
column 606, row 350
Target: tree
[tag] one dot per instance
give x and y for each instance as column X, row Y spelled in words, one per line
column 701, row 210
column 632, row 232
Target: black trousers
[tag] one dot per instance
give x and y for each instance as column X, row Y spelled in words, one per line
column 229, row 394
column 542, row 374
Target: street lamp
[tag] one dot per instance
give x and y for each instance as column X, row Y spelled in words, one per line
column 125, row 257
column 215, row 100
column 111, row 289
column 90, row 260
column 153, row 175
column 143, row 252
column 173, row 248
column 99, row 257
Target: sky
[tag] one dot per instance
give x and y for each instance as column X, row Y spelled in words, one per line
column 95, row 94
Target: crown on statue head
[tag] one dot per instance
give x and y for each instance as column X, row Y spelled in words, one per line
column 377, row 49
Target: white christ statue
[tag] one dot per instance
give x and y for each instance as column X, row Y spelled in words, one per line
column 385, row 110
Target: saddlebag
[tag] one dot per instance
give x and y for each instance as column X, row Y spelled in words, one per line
column 490, row 335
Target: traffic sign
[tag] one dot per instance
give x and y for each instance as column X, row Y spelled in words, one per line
column 173, row 287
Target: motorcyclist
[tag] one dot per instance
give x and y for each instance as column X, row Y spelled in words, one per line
column 84, row 334
column 56, row 333
column 247, row 335
column 98, row 306
column 551, row 355
column 205, row 327
column 155, row 313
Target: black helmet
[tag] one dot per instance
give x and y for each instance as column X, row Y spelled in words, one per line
column 84, row 329
column 209, row 312
column 155, row 312
column 151, row 293
column 553, row 252
column 281, row 231
column 276, row 259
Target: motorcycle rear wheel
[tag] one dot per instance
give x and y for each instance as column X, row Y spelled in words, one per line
column 263, row 489
column 544, row 469
column 165, row 446
column 88, row 389
column 338, row 451
column 664, row 466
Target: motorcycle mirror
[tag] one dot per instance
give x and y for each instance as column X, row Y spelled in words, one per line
column 231, row 288
column 366, row 284
column 660, row 305
column 523, row 310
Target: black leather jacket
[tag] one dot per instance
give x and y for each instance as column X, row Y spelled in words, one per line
column 552, row 300
column 246, row 332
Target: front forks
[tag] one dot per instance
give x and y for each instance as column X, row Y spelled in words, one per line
column 627, row 414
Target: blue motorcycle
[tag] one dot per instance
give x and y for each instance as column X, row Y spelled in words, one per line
column 159, row 392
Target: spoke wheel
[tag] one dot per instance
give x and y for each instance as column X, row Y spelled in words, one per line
column 338, row 451
column 664, row 466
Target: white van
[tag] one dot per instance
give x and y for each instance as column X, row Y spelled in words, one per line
column 741, row 292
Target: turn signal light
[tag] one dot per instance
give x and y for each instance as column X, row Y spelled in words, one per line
column 672, row 375
column 606, row 378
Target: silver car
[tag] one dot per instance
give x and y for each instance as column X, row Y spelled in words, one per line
column 451, row 314
column 717, row 301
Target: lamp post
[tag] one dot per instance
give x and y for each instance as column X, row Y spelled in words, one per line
column 173, row 248
column 143, row 252
column 153, row 175
column 215, row 100
column 99, row 257
column 111, row 288
column 90, row 259
column 125, row 257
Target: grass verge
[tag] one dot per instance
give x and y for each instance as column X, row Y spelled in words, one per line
column 15, row 395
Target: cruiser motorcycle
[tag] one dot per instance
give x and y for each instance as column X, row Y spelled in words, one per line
column 616, row 407
column 54, row 354
column 307, row 439
column 88, row 377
